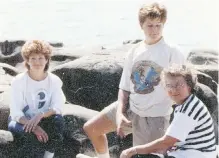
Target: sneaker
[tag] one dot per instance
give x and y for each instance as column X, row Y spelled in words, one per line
column 83, row 156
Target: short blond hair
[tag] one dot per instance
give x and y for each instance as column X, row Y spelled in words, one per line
column 180, row 70
column 152, row 11
column 36, row 47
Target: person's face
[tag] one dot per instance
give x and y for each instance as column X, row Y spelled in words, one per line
column 37, row 62
column 177, row 88
column 153, row 29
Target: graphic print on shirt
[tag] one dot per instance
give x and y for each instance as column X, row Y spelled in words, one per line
column 145, row 75
column 40, row 98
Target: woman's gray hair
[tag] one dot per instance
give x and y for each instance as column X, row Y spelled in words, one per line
column 176, row 70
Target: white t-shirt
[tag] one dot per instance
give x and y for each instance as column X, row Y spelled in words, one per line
column 193, row 126
column 30, row 97
column 141, row 77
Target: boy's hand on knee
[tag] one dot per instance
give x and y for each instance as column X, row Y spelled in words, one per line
column 122, row 120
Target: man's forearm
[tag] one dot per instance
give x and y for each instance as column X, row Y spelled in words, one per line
column 123, row 99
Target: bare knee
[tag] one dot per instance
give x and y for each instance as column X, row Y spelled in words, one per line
column 98, row 126
column 87, row 128
column 91, row 128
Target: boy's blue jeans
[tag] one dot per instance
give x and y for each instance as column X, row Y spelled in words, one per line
column 28, row 142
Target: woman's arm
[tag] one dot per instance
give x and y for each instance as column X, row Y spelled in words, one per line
column 57, row 98
column 16, row 103
column 161, row 144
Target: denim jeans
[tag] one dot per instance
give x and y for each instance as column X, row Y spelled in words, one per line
column 27, row 142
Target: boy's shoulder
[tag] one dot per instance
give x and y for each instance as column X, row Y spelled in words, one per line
column 172, row 46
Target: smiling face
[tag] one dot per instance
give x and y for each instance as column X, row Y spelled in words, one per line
column 37, row 62
column 153, row 29
column 36, row 54
column 177, row 88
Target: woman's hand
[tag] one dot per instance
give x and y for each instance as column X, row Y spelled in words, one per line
column 128, row 153
column 32, row 123
column 41, row 135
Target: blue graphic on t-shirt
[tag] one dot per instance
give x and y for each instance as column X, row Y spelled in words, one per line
column 41, row 100
column 151, row 73
column 144, row 82
column 145, row 75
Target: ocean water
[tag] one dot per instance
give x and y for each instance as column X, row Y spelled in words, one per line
column 83, row 23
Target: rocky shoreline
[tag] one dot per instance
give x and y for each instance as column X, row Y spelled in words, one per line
column 90, row 83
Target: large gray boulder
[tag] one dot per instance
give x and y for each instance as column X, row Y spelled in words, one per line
column 205, row 61
column 8, row 47
column 209, row 70
column 209, row 98
column 91, row 81
column 206, row 80
column 8, row 69
column 203, row 57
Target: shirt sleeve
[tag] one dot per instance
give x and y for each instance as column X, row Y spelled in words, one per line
column 58, row 97
column 16, row 103
column 180, row 127
column 126, row 74
column 177, row 57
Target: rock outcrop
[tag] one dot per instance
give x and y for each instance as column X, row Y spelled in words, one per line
column 91, row 80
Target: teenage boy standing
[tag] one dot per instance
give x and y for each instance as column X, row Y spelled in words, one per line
column 143, row 108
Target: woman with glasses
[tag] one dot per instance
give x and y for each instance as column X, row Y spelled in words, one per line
column 191, row 132
column 37, row 99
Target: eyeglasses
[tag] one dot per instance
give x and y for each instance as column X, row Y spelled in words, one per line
column 177, row 86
